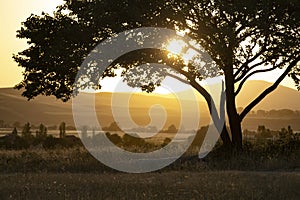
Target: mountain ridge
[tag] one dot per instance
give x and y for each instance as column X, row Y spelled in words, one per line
column 48, row 110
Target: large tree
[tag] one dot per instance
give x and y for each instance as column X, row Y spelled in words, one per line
column 243, row 38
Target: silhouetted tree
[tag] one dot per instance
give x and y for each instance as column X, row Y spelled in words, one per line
column 15, row 132
column 1, row 123
column 62, row 130
column 261, row 129
column 243, row 38
column 263, row 132
column 131, row 141
column 172, row 129
column 42, row 132
column 114, row 138
column 290, row 130
column 286, row 133
column 112, row 127
column 26, row 132
column 166, row 141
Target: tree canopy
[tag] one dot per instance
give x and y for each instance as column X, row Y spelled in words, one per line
column 243, row 38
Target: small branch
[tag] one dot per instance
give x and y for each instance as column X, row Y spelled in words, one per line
column 239, row 29
column 244, row 73
column 243, row 37
column 251, row 74
column 242, row 68
column 245, row 65
column 260, row 63
column 248, row 69
column 269, row 89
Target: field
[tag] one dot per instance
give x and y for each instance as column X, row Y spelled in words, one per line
column 74, row 174
column 165, row 185
column 54, row 169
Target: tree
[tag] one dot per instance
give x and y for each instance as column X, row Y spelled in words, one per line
column 26, row 132
column 14, row 132
column 42, row 132
column 112, row 127
column 1, row 123
column 114, row 138
column 172, row 129
column 62, row 130
column 243, row 38
column 263, row 132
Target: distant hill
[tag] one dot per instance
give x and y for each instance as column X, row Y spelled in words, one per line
column 282, row 98
column 48, row 110
column 14, row 107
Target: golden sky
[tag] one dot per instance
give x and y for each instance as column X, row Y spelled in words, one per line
column 13, row 12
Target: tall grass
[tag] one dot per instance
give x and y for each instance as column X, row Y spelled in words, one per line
column 256, row 155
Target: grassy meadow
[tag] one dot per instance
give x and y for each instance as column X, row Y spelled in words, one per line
column 165, row 185
column 45, row 167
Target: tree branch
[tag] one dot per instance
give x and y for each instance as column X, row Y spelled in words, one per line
column 244, row 69
column 178, row 78
column 219, row 122
column 251, row 74
column 248, row 69
column 239, row 29
column 269, row 89
column 243, row 37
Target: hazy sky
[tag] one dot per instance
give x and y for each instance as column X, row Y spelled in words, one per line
column 13, row 12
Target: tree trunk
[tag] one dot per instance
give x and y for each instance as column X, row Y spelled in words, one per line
column 233, row 116
column 236, row 131
column 225, row 138
column 213, row 112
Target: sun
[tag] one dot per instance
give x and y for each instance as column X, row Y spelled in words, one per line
column 179, row 49
column 176, row 50
column 176, row 46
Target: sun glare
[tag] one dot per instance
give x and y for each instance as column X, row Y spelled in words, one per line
column 176, row 46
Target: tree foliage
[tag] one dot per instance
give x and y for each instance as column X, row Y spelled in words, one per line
column 243, row 38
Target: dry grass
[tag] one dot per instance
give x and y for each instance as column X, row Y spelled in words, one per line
column 269, row 171
column 167, row 185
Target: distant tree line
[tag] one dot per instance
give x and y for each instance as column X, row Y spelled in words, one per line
column 264, row 133
column 40, row 139
column 17, row 124
column 276, row 113
column 27, row 138
column 115, row 127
